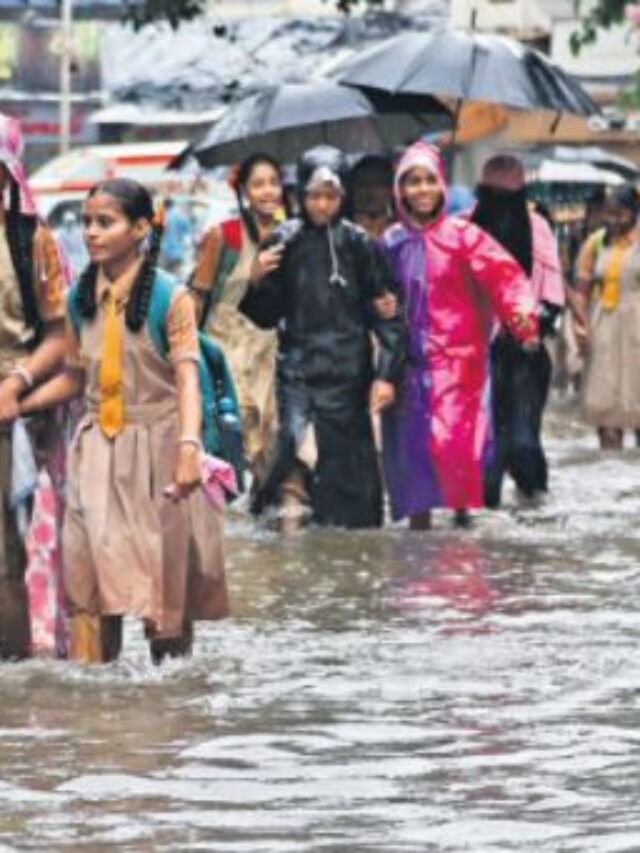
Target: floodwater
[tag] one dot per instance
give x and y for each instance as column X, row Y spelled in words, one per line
column 473, row 691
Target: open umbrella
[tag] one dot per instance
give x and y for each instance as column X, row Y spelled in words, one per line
column 565, row 172
column 288, row 119
column 448, row 63
column 599, row 157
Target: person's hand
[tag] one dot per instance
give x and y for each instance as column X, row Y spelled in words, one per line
column 386, row 305
column 525, row 324
column 188, row 473
column 581, row 332
column 532, row 345
column 265, row 262
column 383, row 395
column 10, row 391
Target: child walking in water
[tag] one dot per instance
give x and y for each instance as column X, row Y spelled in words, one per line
column 322, row 279
column 139, row 538
column 455, row 280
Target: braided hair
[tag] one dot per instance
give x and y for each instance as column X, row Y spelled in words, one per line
column 240, row 183
column 21, row 230
column 136, row 203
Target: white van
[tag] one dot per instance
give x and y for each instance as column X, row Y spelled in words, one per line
column 63, row 183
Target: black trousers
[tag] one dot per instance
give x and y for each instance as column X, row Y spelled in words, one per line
column 520, row 387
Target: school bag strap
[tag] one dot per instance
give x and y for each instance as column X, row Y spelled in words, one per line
column 73, row 310
column 231, row 246
column 232, row 234
column 162, row 293
column 221, row 427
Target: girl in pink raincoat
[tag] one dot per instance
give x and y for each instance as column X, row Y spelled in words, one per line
column 455, row 279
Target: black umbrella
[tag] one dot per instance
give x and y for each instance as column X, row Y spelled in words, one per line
column 448, row 63
column 288, row 119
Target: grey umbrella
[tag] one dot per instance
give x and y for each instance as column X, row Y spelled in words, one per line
column 466, row 67
column 286, row 120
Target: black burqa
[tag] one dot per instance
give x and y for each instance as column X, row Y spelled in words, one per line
column 520, row 379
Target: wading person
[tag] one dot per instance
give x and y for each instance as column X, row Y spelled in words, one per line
column 520, row 376
column 32, row 286
column 132, row 348
column 227, row 261
column 322, row 277
column 455, row 279
column 607, row 320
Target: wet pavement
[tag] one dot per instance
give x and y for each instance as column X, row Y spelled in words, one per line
column 387, row 691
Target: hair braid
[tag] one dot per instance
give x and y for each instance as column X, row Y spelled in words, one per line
column 138, row 305
column 86, row 293
column 20, row 236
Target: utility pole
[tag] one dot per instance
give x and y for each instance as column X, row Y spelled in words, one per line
column 66, row 59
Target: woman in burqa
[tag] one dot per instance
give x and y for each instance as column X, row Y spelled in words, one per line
column 520, row 378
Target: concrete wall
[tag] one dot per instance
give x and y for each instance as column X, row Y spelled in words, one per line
column 522, row 17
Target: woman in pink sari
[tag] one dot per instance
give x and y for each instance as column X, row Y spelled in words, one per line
column 456, row 280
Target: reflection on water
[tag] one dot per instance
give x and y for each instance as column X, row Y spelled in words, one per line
column 372, row 692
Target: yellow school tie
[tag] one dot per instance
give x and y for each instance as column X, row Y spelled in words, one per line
column 613, row 274
column 111, row 409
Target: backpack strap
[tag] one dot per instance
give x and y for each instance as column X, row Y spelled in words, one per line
column 231, row 232
column 73, row 310
column 164, row 286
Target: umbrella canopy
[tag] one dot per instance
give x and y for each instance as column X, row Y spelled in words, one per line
column 629, row 170
column 558, row 172
column 466, row 67
column 286, row 120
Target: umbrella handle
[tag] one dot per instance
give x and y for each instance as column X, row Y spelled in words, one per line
column 456, row 121
column 555, row 123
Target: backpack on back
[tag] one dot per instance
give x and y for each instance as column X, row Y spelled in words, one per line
column 221, row 426
column 231, row 231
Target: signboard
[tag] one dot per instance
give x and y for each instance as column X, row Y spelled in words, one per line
column 30, row 57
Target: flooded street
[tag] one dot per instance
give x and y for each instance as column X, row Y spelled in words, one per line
column 373, row 692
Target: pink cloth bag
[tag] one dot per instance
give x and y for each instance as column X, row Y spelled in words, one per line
column 43, row 577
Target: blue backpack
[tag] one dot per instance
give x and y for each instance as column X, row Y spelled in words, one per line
column 221, row 426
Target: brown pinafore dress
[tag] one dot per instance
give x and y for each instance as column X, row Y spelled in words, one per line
column 128, row 550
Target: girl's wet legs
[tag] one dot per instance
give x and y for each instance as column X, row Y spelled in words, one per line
column 111, row 637
column 610, row 438
column 420, row 521
column 462, row 519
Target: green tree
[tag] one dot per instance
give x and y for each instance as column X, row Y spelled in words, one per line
column 602, row 15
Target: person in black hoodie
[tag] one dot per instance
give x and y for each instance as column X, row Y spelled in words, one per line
column 317, row 281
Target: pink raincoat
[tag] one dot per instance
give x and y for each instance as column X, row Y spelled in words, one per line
column 547, row 279
column 456, row 280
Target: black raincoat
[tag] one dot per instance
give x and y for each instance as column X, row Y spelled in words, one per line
column 321, row 301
